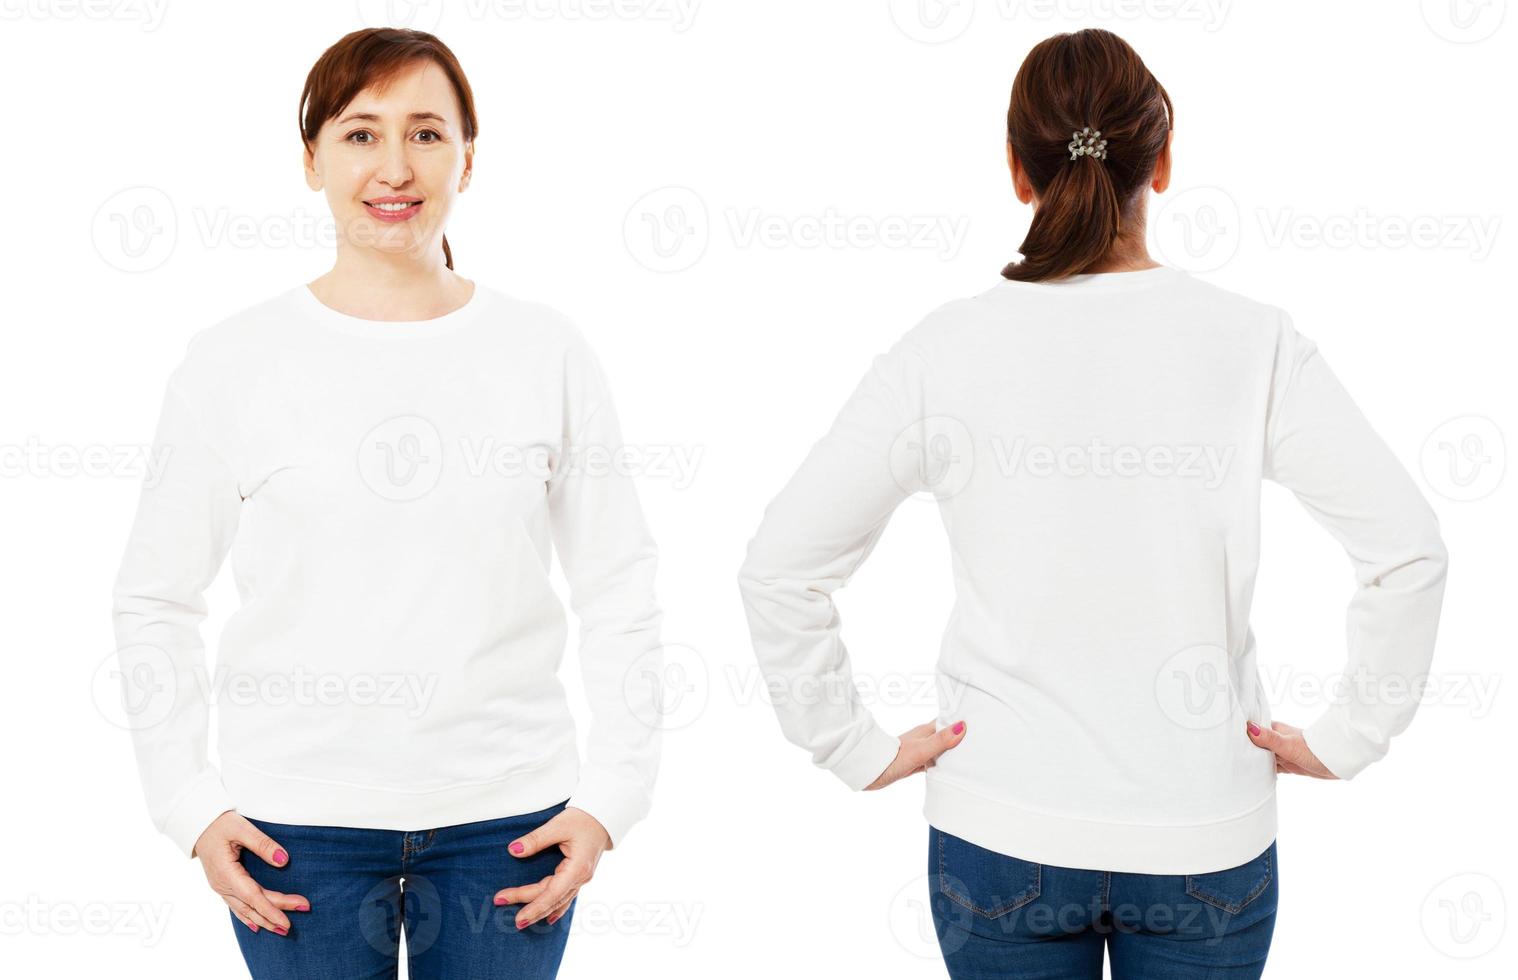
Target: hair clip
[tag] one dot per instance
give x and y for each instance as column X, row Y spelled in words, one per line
column 1088, row 142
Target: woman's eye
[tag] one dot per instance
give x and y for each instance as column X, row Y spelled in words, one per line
column 363, row 136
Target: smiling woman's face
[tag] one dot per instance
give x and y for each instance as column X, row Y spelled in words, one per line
column 392, row 162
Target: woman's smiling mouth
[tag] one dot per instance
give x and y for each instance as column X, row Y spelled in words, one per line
column 393, row 208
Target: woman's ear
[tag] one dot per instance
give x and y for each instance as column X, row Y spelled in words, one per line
column 313, row 179
column 1021, row 186
column 1161, row 178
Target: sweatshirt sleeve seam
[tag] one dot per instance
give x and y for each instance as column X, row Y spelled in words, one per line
column 202, row 435
column 1299, row 361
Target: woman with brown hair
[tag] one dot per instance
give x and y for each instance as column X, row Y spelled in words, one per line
column 392, row 454
column 1095, row 429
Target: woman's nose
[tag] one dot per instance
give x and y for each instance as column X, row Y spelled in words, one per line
column 396, row 168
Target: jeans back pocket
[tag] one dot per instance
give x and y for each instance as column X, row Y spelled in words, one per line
column 986, row 882
column 1234, row 888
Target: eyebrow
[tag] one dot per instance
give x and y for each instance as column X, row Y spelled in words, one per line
column 371, row 117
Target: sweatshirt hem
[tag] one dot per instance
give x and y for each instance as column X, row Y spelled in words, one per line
column 1100, row 845
column 264, row 796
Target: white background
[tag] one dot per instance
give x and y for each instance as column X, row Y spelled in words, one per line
column 1295, row 123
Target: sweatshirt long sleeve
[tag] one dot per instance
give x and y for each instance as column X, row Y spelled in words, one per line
column 1095, row 448
column 184, row 526
column 1322, row 448
column 392, row 495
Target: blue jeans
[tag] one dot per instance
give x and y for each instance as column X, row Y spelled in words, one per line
column 1000, row 916
column 439, row 885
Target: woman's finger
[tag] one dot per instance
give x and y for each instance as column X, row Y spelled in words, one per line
column 247, row 913
column 1288, row 767
column 254, row 897
column 522, row 894
column 555, row 831
column 557, row 912
column 1269, row 739
column 288, row 903
column 260, row 843
column 1290, row 748
column 942, row 741
column 558, row 886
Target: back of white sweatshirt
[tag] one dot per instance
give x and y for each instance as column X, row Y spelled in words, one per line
column 1096, row 448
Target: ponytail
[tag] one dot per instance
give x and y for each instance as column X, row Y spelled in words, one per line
column 1075, row 224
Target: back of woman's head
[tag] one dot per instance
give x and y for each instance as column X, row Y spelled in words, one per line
column 1069, row 82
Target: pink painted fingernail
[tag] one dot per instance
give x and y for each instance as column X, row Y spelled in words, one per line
column 518, row 847
column 280, row 857
column 253, row 926
column 1254, row 729
column 302, row 908
column 282, row 932
column 499, row 900
column 522, row 925
column 959, row 727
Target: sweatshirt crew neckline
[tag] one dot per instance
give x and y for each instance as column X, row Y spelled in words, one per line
column 358, row 326
column 1106, row 282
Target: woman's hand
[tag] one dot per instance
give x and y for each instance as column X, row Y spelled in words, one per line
column 582, row 839
column 1290, row 748
column 219, row 849
column 920, row 748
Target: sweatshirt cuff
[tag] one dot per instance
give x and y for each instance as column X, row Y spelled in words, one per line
column 196, row 810
column 864, row 763
column 1338, row 746
column 611, row 802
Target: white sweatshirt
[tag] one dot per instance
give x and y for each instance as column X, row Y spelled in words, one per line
column 391, row 494
column 1096, row 448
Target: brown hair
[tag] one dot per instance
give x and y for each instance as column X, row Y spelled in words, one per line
column 1068, row 82
column 373, row 56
